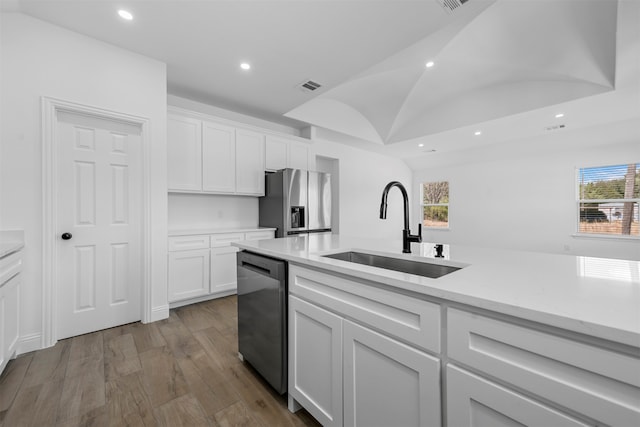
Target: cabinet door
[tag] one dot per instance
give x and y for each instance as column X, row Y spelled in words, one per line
column 224, row 276
column 188, row 274
column 475, row 402
column 275, row 153
column 249, row 162
column 218, row 158
column 387, row 383
column 315, row 361
column 298, row 156
column 184, row 150
column 11, row 314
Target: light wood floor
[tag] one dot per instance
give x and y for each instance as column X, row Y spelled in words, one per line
column 183, row 371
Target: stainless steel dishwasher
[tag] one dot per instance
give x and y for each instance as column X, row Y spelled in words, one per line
column 262, row 316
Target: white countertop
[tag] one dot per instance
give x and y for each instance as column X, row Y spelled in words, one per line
column 594, row 296
column 10, row 242
column 192, row 232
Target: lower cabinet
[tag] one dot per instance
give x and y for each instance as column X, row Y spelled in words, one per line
column 9, row 306
column 315, row 361
column 387, row 383
column 361, row 355
column 473, row 401
column 203, row 266
column 224, row 276
column 346, row 374
column 597, row 383
column 188, row 274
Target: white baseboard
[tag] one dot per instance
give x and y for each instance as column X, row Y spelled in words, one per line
column 159, row 313
column 28, row 343
column 182, row 303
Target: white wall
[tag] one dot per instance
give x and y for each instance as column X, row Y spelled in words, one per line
column 363, row 175
column 521, row 195
column 39, row 59
column 189, row 211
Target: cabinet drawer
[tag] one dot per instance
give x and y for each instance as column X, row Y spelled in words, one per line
column 186, row 243
column 258, row 235
column 10, row 266
column 597, row 382
column 473, row 401
column 412, row 320
column 225, row 239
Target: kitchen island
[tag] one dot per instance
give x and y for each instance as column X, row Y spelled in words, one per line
column 536, row 338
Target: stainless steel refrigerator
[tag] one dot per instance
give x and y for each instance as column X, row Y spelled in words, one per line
column 296, row 201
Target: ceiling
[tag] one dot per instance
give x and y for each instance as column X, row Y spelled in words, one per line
column 502, row 67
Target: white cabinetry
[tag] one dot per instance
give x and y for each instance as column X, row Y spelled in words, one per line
column 184, row 151
column 10, row 267
column 298, row 155
column 276, row 153
column 473, row 401
column 203, row 266
column 601, row 384
column 284, row 153
column 223, row 261
column 341, row 367
column 387, row 383
column 188, row 274
column 315, row 365
column 249, row 162
column 209, row 157
column 218, row 158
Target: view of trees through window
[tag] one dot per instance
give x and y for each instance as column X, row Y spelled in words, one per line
column 435, row 204
column 608, row 198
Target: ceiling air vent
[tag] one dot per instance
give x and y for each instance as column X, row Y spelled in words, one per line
column 554, row 127
column 309, row 86
column 451, row 5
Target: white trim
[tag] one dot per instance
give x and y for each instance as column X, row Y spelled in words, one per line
column 157, row 313
column 49, row 109
column 29, row 343
column 182, row 303
column 171, row 109
column 605, row 236
column 422, row 205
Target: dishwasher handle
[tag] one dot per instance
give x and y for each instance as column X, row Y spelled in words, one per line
column 256, row 268
column 270, row 267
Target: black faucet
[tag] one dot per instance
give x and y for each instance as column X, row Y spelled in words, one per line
column 407, row 237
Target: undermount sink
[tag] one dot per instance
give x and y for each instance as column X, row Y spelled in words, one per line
column 419, row 268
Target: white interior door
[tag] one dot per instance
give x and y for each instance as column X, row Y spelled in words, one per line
column 100, row 208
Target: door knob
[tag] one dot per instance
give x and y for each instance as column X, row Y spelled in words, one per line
column 66, row 236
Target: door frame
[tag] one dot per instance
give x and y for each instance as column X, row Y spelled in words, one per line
column 50, row 109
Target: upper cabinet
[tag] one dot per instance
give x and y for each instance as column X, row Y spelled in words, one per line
column 214, row 158
column 249, row 162
column 218, row 158
column 284, row 153
column 184, row 145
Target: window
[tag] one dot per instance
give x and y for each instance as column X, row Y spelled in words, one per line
column 435, row 204
column 608, row 198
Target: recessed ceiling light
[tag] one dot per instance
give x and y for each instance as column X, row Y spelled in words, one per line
column 430, row 64
column 125, row 14
column 245, row 66
column 559, row 115
column 477, row 133
column 420, row 145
